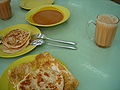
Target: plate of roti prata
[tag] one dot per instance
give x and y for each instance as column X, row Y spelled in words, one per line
column 38, row 72
column 16, row 39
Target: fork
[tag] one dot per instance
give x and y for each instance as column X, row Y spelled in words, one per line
column 0, row 39
column 42, row 36
column 42, row 41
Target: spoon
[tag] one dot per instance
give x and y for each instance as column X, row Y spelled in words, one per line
column 41, row 41
column 42, row 36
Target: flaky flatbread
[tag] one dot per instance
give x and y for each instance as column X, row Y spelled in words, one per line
column 42, row 79
column 15, row 41
column 16, row 38
column 13, row 50
column 47, row 61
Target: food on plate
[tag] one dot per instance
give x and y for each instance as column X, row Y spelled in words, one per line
column 45, row 72
column 47, row 17
column 42, row 79
column 15, row 40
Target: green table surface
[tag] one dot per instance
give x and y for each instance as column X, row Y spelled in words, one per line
column 96, row 68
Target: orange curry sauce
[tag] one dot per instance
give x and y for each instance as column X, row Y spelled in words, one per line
column 47, row 17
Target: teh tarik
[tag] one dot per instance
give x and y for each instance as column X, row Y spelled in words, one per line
column 106, row 26
column 5, row 9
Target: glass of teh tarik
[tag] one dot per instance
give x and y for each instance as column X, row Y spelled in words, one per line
column 5, row 9
column 106, row 26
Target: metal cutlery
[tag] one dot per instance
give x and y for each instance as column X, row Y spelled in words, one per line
column 41, row 41
column 42, row 36
column 0, row 39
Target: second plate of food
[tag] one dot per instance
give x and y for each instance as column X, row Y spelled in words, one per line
column 15, row 41
column 48, row 15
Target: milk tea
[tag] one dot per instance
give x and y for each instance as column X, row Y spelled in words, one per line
column 106, row 26
column 5, row 9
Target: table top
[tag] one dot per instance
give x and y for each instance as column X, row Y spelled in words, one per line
column 96, row 68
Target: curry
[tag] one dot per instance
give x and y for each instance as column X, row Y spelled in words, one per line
column 47, row 17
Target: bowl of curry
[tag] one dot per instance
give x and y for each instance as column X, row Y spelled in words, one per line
column 48, row 15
